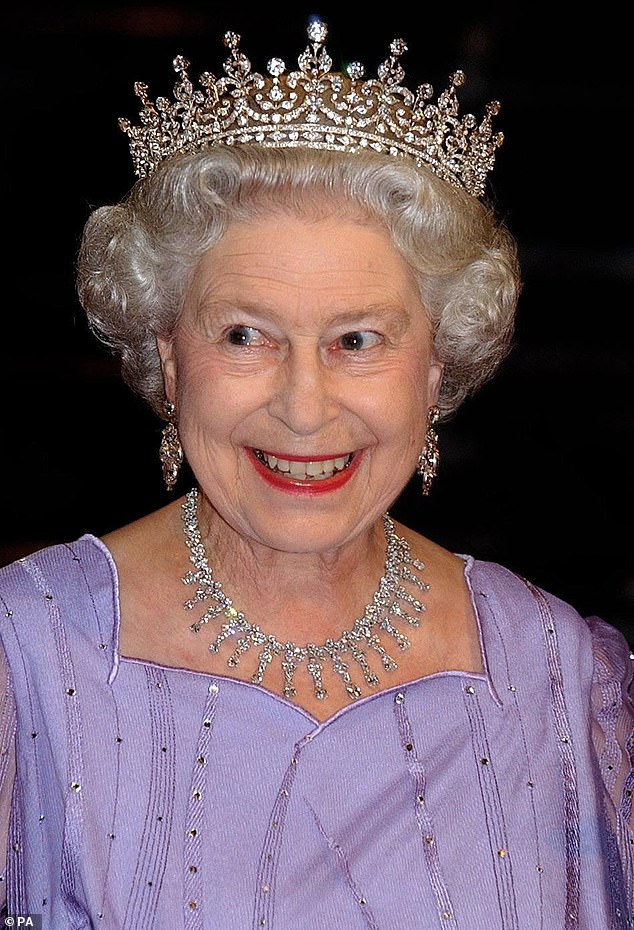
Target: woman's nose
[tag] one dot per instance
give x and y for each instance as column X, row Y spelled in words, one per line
column 304, row 398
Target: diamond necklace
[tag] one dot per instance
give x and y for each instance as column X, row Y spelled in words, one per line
column 356, row 642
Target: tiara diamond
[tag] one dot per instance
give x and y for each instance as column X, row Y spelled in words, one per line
column 318, row 108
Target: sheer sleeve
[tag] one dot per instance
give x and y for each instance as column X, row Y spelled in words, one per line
column 613, row 737
column 7, row 764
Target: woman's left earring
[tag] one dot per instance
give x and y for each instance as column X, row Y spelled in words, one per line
column 170, row 450
column 430, row 456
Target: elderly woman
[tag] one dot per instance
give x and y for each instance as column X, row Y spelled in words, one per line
column 268, row 705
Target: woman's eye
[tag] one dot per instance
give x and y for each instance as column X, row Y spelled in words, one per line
column 359, row 340
column 245, row 336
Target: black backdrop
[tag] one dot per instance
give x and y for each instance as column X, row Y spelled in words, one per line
column 537, row 469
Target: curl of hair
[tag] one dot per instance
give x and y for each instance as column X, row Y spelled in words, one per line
column 137, row 258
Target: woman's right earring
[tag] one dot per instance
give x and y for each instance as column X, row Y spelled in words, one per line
column 170, row 450
column 430, row 456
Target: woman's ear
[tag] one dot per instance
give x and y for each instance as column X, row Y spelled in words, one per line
column 168, row 366
column 434, row 381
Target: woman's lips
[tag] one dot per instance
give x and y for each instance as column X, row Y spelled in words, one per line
column 306, row 468
column 299, row 474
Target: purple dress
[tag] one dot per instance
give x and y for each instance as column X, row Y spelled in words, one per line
column 156, row 798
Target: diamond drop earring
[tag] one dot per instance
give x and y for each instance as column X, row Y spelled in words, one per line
column 430, row 456
column 170, row 450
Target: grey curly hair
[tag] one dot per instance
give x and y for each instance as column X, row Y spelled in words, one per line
column 137, row 258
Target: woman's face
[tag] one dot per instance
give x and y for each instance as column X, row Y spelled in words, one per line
column 302, row 371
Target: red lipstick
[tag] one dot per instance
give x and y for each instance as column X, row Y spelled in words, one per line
column 305, row 486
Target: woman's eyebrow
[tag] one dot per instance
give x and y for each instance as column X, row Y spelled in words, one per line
column 393, row 312
column 393, row 317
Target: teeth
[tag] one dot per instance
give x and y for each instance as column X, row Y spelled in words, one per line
column 314, row 471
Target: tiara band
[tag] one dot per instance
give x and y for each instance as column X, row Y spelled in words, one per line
column 316, row 107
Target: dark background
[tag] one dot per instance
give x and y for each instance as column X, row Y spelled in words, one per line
column 537, row 470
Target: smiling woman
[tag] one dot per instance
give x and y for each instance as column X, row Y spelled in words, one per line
column 301, row 341
column 269, row 704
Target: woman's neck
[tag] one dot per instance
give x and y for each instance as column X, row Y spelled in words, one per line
column 268, row 585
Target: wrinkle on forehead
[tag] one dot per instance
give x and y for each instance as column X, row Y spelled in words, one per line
column 347, row 265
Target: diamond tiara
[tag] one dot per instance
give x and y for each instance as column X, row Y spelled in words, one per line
column 315, row 107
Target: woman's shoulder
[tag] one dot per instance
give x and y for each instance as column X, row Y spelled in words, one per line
column 66, row 594
column 522, row 608
column 511, row 596
column 95, row 558
column 55, row 567
column 516, row 593
column 53, row 597
column 69, row 586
